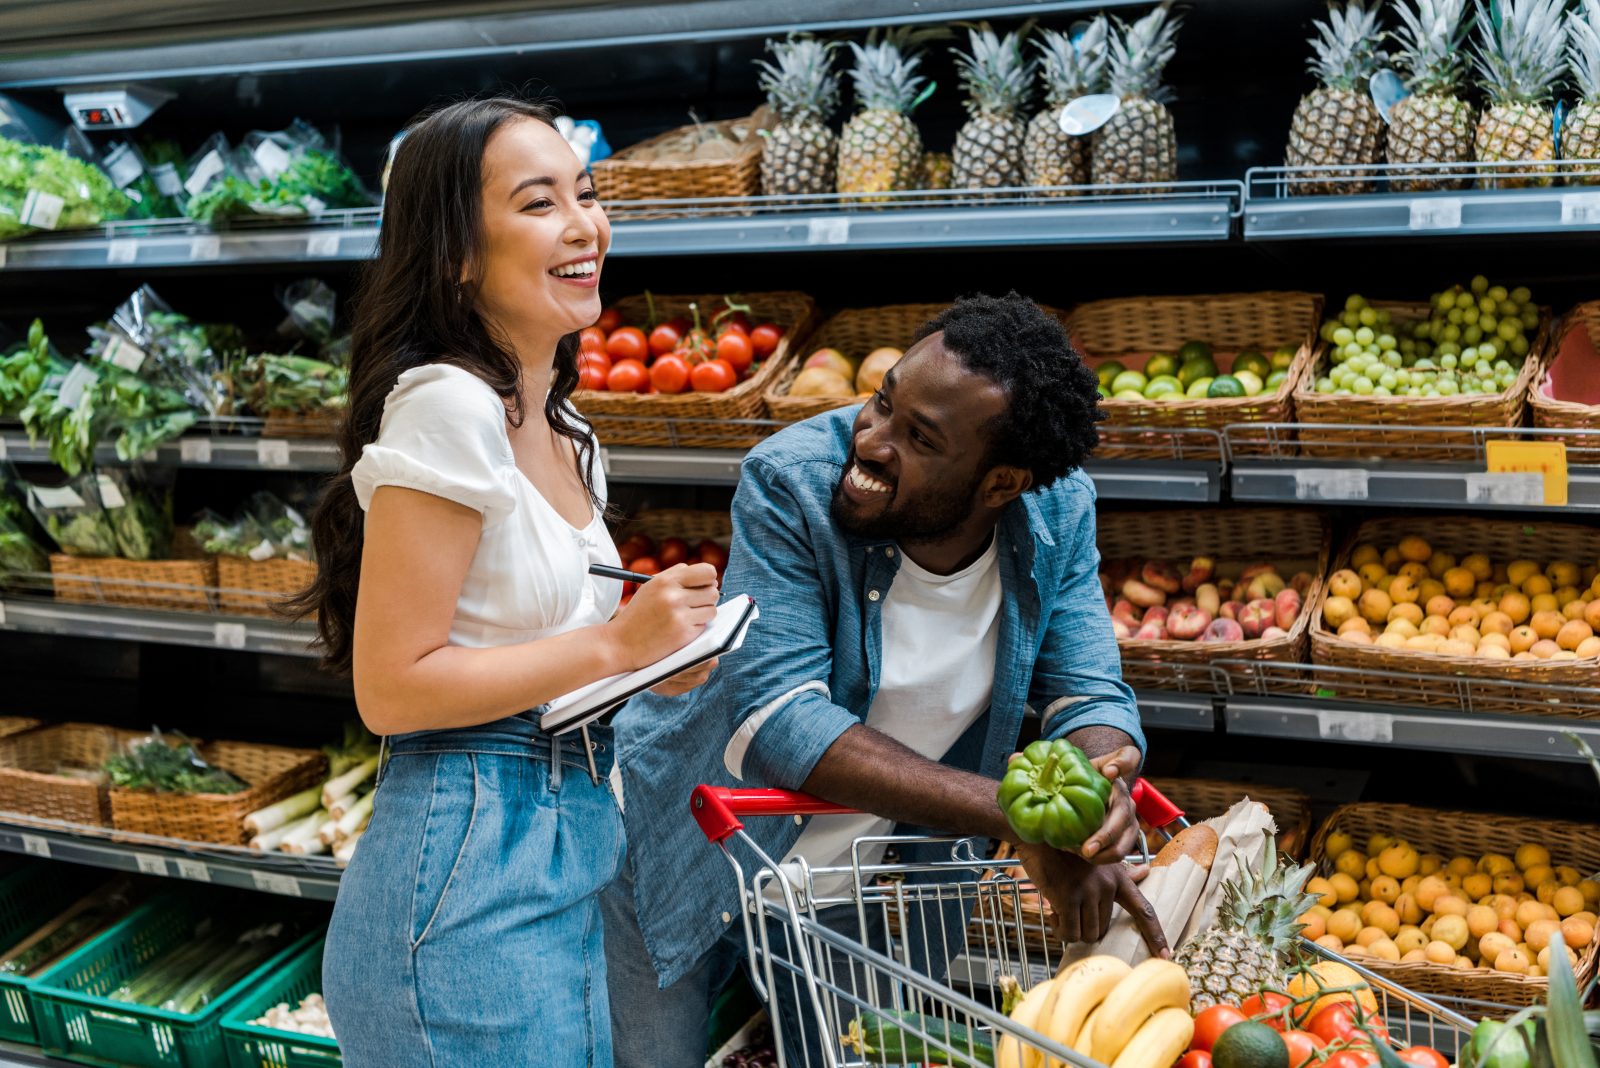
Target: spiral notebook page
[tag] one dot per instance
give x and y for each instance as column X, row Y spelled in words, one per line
column 722, row 635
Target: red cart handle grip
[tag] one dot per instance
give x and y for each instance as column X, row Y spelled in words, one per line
column 717, row 808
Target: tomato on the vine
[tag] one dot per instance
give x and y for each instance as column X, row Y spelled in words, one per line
column 592, row 339
column 736, row 349
column 1350, row 1058
column 764, row 339
column 627, row 376
column 1337, row 1023
column 1303, row 1047
column 1195, row 1058
column 666, row 337
column 713, row 376
column 609, row 320
column 669, row 374
column 1268, row 1008
column 627, row 343
column 1210, row 1023
column 1424, row 1057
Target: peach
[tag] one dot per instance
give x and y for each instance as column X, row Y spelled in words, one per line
column 1158, row 614
column 1151, row 631
column 1231, row 609
column 1287, row 604
column 1274, row 632
column 1201, row 569
column 1121, row 629
column 1207, row 597
column 1188, row 622
column 1346, row 584
column 1223, row 630
column 1544, row 649
column 1257, row 616
column 1161, row 575
column 1143, row 595
column 1404, row 589
column 1266, row 587
column 1335, row 610
column 1257, row 568
column 1573, row 633
column 1301, row 582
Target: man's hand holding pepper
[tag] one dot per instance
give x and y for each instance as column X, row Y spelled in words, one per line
column 1119, row 834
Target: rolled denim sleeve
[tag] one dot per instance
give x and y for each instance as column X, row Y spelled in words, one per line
column 779, row 683
column 1077, row 678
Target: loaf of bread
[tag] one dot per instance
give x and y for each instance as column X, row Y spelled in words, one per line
column 1198, row 843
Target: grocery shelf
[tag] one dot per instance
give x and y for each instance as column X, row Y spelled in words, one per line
column 343, row 235
column 1267, row 462
column 235, row 445
column 13, row 1055
column 316, row 878
column 1272, row 211
column 1171, row 711
column 41, row 616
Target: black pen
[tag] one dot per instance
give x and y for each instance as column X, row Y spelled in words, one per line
column 618, row 573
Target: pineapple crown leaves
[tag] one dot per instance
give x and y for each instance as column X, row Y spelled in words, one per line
column 1141, row 51
column 1430, row 42
column 1345, row 46
column 1583, row 50
column 1277, row 894
column 1070, row 67
column 1520, row 59
column 885, row 71
column 801, row 85
column 996, row 75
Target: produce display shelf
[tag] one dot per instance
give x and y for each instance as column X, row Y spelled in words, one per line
column 314, row 878
column 73, row 620
column 343, row 235
column 1273, row 211
column 13, row 1055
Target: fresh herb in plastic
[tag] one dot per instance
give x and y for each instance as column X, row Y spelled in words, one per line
column 25, row 369
column 140, row 513
column 153, row 763
column 73, row 518
column 70, row 429
column 272, row 383
column 88, row 196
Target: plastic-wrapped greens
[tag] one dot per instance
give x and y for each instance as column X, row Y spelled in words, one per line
column 140, row 511
column 43, row 188
column 288, row 173
column 73, row 517
column 266, row 529
column 24, row 367
column 22, row 541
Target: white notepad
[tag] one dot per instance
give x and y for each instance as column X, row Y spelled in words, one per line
column 722, row 635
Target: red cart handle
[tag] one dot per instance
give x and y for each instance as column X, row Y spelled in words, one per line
column 717, row 808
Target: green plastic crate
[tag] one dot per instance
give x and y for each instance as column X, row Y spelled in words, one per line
column 89, row 1027
column 29, row 897
column 250, row 1046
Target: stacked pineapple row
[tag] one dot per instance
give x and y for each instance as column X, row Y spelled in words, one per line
column 880, row 149
column 1518, row 61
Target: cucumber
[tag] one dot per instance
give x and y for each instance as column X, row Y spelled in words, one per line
column 883, row 1038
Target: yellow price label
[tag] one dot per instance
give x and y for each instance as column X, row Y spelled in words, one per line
column 1546, row 458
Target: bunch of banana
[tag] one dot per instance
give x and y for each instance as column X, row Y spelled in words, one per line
column 1102, row 1008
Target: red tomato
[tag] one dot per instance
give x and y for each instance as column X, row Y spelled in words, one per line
column 592, row 374
column 627, row 343
column 712, row 553
column 713, row 376
column 645, row 565
column 592, row 338
column 738, row 321
column 764, row 339
column 609, row 320
column 1337, row 1023
column 669, row 374
column 627, row 376
column 597, row 357
column 1268, row 1008
column 1210, row 1023
column 736, row 349
column 665, row 337
column 1303, row 1047
column 1350, row 1058
column 673, row 551
column 1195, row 1058
column 635, row 547
column 1424, row 1057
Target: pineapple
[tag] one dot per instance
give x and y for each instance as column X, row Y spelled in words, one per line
column 1518, row 65
column 1139, row 143
column 1070, row 70
column 998, row 81
column 880, row 148
column 1433, row 125
column 936, row 170
column 1580, row 133
column 1338, row 123
column 802, row 90
column 1247, row 947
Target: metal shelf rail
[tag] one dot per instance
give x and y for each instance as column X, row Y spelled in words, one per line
column 1373, row 204
column 42, row 615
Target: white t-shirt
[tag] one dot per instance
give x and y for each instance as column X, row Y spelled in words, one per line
column 935, row 680
column 444, row 433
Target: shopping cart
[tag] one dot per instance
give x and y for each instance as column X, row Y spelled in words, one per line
column 924, row 951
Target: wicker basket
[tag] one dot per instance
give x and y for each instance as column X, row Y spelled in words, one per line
column 1388, row 425
column 253, row 587
column 1469, row 834
column 1501, row 540
column 856, row 332
column 632, row 174
column 323, row 423
column 272, row 772
column 10, row 725
column 172, row 585
column 697, row 420
column 29, row 765
column 1138, row 327
column 1296, row 540
column 1201, row 799
column 690, row 524
column 1580, row 327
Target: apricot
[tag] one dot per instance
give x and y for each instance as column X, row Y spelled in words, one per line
column 1404, row 590
column 1462, row 616
column 1441, row 606
column 1523, row 639
column 1375, row 604
column 1337, row 609
column 1479, row 565
column 1534, row 585
column 1547, row 624
column 1573, row 633
column 1544, row 649
column 1365, row 553
column 1516, row 606
column 1411, row 613
column 1459, row 582
column 1345, row 583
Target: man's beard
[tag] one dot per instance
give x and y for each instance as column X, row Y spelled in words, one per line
column 934, row 517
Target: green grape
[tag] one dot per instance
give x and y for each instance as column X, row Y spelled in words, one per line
column 1365, row 336
column 1519, row 346
column 1522, row 294
column 1343, row 335
column 1369, row 316
column 1497, row 293
column 1479, row 283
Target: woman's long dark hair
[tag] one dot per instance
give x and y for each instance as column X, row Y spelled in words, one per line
column 411, row 310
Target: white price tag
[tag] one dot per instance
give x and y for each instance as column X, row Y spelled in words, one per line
column 272, row 158
column 194, row 450
column 57, row 497
column 120, row 352
column 272, row 452
column 262, row 551
column 35, row 846
column 41, row 209
column 123, row 165
column 1436, row 213
column 830, row 230
column 209, row 167
column 231, row 635
column 2, row 255
column 110, row 493
column 168, row 184
column 2, row 448
column 1580, row 209
column 322, row 245
column 1334, row 725
column 294, row 517
column 1330, row 484
column 273, row 883
column 151, row 864
column 122, row 250
column 2, row 613
column 75, row 385
column 195, row 870
column 206, row 247
column 1505, row 487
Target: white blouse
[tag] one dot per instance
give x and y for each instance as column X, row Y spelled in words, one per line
column 444, row 433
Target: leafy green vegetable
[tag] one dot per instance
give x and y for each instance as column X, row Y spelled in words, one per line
column 271, row 383
column 25, row 369
column 143, row 522
column 88, row 196
column 314, row 181
column 71, row 431
column 154, row 763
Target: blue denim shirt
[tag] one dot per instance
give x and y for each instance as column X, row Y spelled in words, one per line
column 815, row 655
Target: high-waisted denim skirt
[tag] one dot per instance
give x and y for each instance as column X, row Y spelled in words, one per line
column 467, row 931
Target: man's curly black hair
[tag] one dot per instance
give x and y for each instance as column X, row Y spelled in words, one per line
column 1049, row 427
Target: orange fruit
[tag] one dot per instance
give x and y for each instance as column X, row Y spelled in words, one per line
column 1547, row 624
column 1573, row 633
column 1459, row 582
column 1516, row 606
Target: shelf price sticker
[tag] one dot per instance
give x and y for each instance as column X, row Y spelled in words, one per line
column 1580, row 209
column 1330, row 484
column 1548, row 459
column 194, row 870
column 1518, row 488
column 828, row 230
column 1337, row 726
column 2, row 447
column 322, row 245
column 2, row 613
column 231, row 635
column 194, row 450
column 206, row 247
column 1436, row 213
column 122, row 250
column 150, row 864
column 35, row 846
column 274, row 883
column 272, row 452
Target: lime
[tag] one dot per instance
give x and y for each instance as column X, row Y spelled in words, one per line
column 1198, row 387
column 1225, row 386
column 1283, row 358
column 1129, row 380
column 1276, row 379
column 1163, row 386
column 1252, row 361
column 1193, row 369
column 1251, row 382
column 1193, row 350
column 1127, row 394
column 1250, row 1045
column 1108, row 371
column 1160, row 364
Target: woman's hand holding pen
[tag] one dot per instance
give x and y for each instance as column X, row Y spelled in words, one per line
column 666, row 613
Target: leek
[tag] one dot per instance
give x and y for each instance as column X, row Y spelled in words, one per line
column 357, row 817
column 347, row 848
column 286, row 811
column 305, row 832
column 274, row 838
column 336, row 788
column 327, row 833
column 341, row 806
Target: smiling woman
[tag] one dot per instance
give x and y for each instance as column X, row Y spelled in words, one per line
column 454, row 548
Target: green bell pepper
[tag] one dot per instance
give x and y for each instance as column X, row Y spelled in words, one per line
column 1052, row 794
column 1493, row 1047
